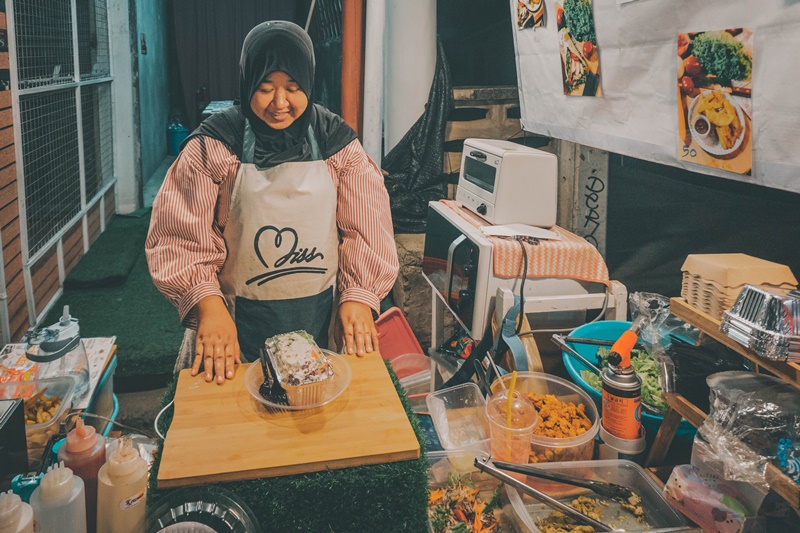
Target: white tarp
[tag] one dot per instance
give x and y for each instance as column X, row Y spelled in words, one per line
column 637, row 114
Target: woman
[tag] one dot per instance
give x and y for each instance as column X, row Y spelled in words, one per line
column 269, row 207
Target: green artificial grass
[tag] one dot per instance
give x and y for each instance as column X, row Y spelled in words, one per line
column 146, row 325
column 386, row 497
column 113, row 255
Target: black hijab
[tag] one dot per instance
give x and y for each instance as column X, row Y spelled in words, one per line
column 269, row 47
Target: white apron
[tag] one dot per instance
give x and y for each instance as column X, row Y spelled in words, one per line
column 282, row 251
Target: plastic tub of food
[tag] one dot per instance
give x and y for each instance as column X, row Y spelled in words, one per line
column 459, row 416
column 47, row 403
column 417, row 387
column 659, row 516
column 444, row 468
column 609, row 330
column 546, row 449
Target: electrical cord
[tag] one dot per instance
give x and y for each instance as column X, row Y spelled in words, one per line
column 161, row 412
column 112, row 421
column 524, row 274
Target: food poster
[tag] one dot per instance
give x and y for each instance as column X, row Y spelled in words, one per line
column 580, row 61
column 530, row 14
column 715, row 106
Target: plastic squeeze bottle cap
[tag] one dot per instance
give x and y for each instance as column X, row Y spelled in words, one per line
column 81, row 438
column 10, row 511
column 125, row 460
column 57, row 483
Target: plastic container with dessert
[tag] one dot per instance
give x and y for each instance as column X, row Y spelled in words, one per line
column 443, row 466
column 546, row 449
column 47, row 403
column 302, row 367
column 459, row 416
column 659, row 516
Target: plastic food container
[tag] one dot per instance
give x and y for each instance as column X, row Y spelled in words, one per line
column 411, row 363
column 417, row 387
column 305, row 394
column 38, row 434
column 659, row 516
column 610, row 330
column 459, row 416
column 461, row 462
column 545, row 449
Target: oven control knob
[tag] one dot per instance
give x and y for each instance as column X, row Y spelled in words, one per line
column 482, row 209
column 464, row 299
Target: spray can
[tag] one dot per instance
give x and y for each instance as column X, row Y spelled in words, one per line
column 622, row 389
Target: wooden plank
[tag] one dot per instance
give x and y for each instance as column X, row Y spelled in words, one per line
column 93, row 219
column 8, row 192
column 10, row 231
column 47, row 294
column 365, row 425
column 7, row 175
column 3, row 23
column 19, row 325
column 44, row 274
column 110, row 207
column 5, row 101
column 710, row 326
column 6, row 137
column 11, row 250
column 6, row 118
column 664, row 437
column 8, row 213
column 3, row 59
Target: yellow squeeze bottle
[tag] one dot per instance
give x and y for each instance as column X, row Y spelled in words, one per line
column 122, row 491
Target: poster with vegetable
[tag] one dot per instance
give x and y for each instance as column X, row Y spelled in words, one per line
column 715, row 107
column 580, row 61
column 530, row 14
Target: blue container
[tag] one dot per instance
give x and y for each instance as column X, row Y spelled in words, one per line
column 610, row 330
column 177, row 134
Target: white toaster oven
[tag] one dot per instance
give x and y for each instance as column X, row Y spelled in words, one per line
column 458, row 264
column 505, row 182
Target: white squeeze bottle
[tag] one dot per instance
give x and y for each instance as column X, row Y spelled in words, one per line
column 122, row 491
column 16, row 516
column 59, row 503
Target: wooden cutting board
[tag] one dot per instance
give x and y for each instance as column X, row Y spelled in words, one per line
column 220, row 433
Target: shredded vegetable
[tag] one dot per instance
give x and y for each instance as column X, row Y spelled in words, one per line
column 458, row 508
column 644, row 365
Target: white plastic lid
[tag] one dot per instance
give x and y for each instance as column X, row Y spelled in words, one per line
column 57, row 483
column 125, row 460
column 10, row 510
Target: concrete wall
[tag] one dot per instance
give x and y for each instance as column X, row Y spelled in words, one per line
column 151, row 16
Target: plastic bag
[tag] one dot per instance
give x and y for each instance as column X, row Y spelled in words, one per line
column 754, row 420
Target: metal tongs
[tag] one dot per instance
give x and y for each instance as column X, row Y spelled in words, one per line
column 489, row 468
column 601, row 488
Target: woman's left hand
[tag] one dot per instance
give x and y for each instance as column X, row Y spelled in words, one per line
column 358, row 328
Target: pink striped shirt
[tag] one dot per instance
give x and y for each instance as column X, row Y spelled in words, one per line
column 185, row 248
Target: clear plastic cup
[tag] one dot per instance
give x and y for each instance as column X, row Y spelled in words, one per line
column 511, row 444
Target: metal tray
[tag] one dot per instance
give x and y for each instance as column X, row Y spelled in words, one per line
column 766, row 320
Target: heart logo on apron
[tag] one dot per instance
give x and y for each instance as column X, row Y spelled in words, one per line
column 283, row 245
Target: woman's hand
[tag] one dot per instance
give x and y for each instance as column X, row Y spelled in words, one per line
column 358, row 328
column 217, row 346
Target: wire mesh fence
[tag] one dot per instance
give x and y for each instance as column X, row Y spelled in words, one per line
column 98, row 149
column 51, row 164
column 43, row 30
column 93, row 51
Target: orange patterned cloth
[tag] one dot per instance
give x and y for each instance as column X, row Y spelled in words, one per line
column 572, row 257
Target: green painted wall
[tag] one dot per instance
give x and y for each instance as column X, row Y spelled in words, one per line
column 151, row 16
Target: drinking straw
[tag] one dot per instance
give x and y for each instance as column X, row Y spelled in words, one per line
column 510, row 397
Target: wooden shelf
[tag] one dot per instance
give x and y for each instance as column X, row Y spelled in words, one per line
column 789, row 372
column 681, row 407
column 778, row 481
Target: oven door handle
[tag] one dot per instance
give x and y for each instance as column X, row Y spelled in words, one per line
column 458, row 241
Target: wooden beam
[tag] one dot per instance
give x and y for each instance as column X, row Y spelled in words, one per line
column 352, row 62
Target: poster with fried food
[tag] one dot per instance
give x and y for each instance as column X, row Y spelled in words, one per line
column 580, row 59
column 530, row 14
column 715, row 106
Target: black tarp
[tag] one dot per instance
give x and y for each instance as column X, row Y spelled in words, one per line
column 415, row 164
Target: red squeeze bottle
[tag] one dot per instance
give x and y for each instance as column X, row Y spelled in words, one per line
column 84, row 453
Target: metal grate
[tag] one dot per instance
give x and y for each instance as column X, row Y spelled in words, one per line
column 93, row 53
column 98, row 143
column 43, row 30
column 326, row 21
column 50, row 158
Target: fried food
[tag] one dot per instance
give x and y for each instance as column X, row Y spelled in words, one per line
column 40, row 409
column 557, row 419
column 719, row 110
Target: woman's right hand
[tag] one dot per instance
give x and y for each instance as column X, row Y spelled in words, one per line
column 217, row 345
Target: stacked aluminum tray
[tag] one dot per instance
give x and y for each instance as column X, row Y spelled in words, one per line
column 766, row 320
